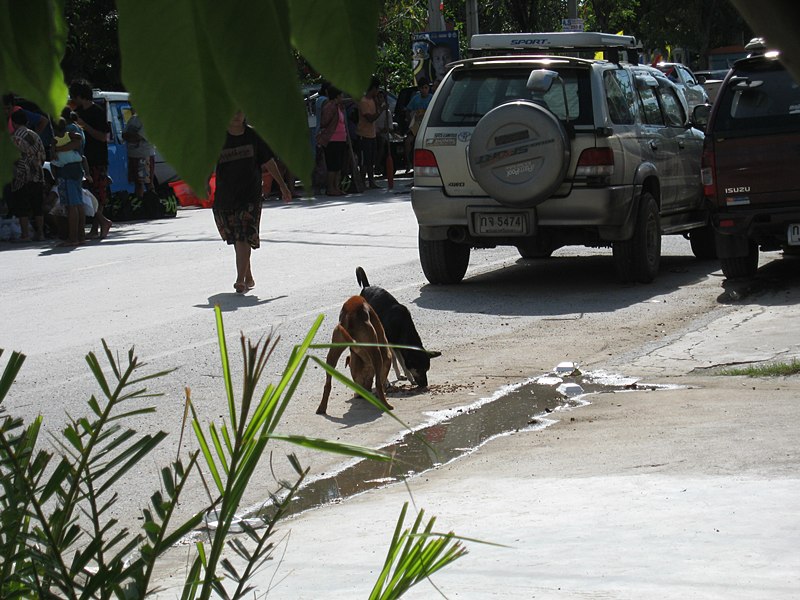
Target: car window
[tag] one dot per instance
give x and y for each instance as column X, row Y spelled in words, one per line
column 469, row 94
column 761, row 100
column 673, row 109
column 620, row 96
column 651, row 110
column 687, row 76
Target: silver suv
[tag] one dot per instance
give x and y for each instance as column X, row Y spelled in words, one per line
column 543, row 151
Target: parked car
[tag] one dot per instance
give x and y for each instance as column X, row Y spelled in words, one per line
column 711, row 81
column 750, row 160
column 117, row 107
column 682, row 76
column 544, row 151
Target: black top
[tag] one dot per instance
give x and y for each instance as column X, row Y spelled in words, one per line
column 239, row 170
column 96, row 151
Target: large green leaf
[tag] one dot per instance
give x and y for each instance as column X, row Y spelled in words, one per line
column 338, row 37
column 32, row 41
column 258, row 68
column 168, row 68
column 190, row 64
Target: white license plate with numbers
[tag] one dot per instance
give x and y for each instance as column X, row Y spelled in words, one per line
column 500, row 223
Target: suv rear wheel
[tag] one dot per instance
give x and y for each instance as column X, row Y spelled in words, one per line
column 443, row 261
column 638, row 258
column 741, row 266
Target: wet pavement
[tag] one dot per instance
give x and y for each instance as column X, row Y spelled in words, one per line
column 455, row 433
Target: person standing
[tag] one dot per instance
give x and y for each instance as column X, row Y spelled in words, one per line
column 332, row 137
column 70, row 167
column 368, row 113
column 141, row 155
column 92, row 120
column 27, row 186
column 415, row 109
column 238, row 195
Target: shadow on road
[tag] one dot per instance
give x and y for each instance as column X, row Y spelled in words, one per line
column 775, row 284
column 398, row 194
column 229, row 302
column 359, row 411
column 562, row 287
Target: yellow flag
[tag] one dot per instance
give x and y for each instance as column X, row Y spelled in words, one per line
column 599, row 55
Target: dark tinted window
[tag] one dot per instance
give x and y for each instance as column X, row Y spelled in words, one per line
column 758, row 98
column 673, row 109
column 469, row 94
column 620, row 96
column 651, row 111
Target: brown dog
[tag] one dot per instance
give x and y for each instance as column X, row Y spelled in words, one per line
column 358, row 322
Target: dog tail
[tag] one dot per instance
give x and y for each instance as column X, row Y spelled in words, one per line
column 361, row 278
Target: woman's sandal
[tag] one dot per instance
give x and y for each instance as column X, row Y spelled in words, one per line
column 240, row 287
column 250, row 284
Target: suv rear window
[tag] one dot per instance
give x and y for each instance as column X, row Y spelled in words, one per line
column 759, row 100
column 470, row 94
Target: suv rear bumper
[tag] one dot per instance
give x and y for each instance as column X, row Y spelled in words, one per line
column 766, row 226
column 609, row 211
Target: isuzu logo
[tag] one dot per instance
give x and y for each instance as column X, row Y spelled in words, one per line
column 738, row 190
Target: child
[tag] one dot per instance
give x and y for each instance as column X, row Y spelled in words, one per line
column 70, row 169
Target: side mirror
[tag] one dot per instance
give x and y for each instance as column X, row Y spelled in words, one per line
column 541, row 80
column 700, row 116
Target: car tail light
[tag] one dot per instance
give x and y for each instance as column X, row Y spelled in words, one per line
column 707, row 169
column 425, row 164
column 595, row 162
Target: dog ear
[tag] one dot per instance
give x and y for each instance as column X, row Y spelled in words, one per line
column 433, row 353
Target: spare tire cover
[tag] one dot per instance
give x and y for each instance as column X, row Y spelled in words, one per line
column 519, row 153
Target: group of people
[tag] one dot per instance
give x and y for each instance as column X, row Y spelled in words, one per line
column 348, row 138
column 57, row 155
column 357, row 137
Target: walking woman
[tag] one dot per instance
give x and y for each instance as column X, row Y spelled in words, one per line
column 238, row 196
column 332, row 137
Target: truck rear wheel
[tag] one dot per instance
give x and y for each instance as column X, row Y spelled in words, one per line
column 443, row 261
column 741, row 266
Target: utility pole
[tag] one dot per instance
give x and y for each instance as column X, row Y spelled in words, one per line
column 435, row 18
column 572, row 9
column 472, row 18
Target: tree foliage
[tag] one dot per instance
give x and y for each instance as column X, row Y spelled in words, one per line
column 92, row 48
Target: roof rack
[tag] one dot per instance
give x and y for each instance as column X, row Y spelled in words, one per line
column 559, row 41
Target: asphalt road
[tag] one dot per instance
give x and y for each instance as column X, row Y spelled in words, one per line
column 153, row 285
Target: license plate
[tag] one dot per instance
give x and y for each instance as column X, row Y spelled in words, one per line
column 793, row 234
column 499, row 223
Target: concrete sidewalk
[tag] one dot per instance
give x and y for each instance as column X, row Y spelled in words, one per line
column 685, row 493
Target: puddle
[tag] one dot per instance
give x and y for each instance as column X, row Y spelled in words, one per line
column 458, row 432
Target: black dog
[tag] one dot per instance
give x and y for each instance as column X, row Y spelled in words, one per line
column 400, row 330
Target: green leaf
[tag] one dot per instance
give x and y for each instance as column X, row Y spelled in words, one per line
column 339, row 41
column 252, row 62
column 174, row 82
column 32, row 41
column 188, row 79
column 10, row 372
column 335, row 447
